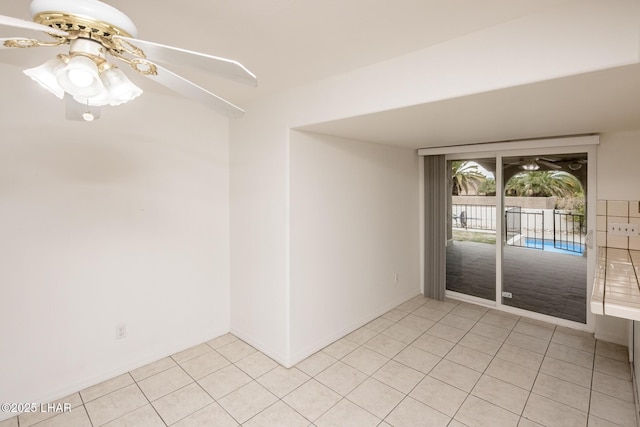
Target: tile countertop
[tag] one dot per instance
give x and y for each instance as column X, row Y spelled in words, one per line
column 616, row 291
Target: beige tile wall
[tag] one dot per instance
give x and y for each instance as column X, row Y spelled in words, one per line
column 621, row 211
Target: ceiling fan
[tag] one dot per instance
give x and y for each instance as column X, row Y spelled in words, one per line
column 533, row 164
column 97, row 32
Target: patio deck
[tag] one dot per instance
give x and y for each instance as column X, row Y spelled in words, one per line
column 543, row 282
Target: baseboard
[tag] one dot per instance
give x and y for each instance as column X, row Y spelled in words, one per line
column 615, row 339
column 112, row 373
column 331, row 338
column 290, row 360
column 259, row 345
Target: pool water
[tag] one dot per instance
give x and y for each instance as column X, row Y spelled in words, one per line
column 564, row 247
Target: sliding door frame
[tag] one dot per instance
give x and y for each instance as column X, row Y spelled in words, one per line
column 567, row 145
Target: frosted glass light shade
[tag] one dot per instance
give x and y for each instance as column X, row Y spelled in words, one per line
column 80, row 77
column 530, row 166
column 45, row 75
column 120, row 88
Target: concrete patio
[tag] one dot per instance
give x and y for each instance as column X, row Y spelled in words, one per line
column 540, row 281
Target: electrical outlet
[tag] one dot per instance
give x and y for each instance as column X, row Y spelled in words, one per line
column 616, row 228
column 623, row 229
column 121, row 331
column 507, row 295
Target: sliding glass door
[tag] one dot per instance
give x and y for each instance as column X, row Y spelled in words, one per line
column 544, row 266
column 517, row 230
column 471, row 228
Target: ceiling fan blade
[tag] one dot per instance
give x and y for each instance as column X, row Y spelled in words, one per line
column 20, row 23
column 168, row 55
column 191, row 90
column 549, row 164
column 75, row 110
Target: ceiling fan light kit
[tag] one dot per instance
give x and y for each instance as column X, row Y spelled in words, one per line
column 94, row 31
column 574, row 166
column 530, row 166
column 80, row 77
column 119, row 87
column 45, row 75
column 571, row 162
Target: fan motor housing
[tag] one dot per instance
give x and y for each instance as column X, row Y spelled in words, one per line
column 87, row 19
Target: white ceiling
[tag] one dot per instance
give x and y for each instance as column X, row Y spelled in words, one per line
column 597, row 102
column 289, row 43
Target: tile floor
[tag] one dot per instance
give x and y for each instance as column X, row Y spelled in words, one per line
column 425, row 363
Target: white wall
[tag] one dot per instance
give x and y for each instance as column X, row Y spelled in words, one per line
column 259, row 233
column 102, row 225
column 576, row 38
column 123, row 220
column 353, row 227
column 617, row 176
column 581, row 37
column 618, row 171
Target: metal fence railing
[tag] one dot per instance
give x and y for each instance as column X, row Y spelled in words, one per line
column 526, row 227
column 568, row 229
column 474, row 217
column 513, row 223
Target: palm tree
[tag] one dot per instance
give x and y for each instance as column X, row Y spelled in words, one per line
column 465, row 176
column 543, row 184
column 487, row 187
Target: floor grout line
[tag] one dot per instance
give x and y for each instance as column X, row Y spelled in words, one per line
column 466, row 328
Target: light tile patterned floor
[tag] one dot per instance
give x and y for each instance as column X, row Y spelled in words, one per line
column 425, row 363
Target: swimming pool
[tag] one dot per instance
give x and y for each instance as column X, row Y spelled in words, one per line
column 563, row 247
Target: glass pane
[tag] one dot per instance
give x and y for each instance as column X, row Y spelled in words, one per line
column 471, row 232
column 544, row 262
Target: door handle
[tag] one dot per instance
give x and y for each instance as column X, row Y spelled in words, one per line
column 589, row 239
